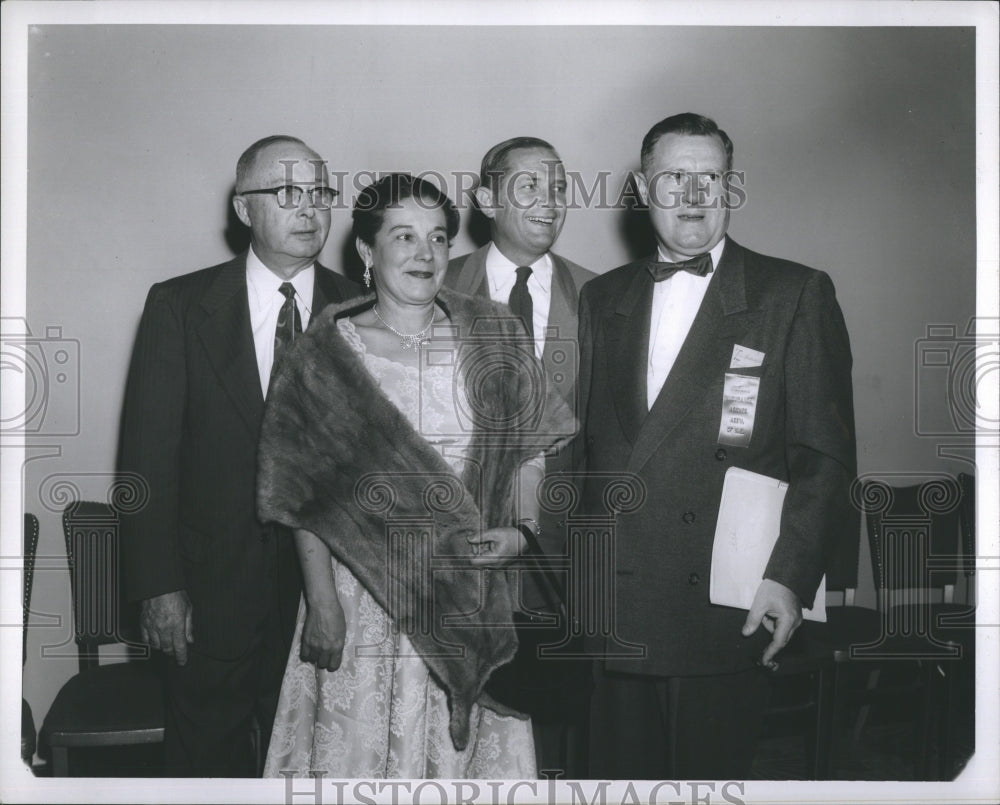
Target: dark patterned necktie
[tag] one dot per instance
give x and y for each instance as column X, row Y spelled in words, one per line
column 700, row 266
column 289, row 325
column 520, row 300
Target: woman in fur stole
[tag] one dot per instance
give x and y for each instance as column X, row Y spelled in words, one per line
column 402, row 443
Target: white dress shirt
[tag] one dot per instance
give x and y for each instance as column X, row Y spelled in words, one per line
column 265, row 302
column 501, row 274
column 676, row 302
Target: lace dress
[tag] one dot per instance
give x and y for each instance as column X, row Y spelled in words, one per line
column 381, row 714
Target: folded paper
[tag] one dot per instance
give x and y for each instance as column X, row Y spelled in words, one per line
column 745, row 535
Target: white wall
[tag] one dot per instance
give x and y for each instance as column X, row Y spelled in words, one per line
column 858, row 145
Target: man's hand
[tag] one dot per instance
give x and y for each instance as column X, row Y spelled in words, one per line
column 166, row 624
column 323, row 634
column 780, row 610
column 497, row 547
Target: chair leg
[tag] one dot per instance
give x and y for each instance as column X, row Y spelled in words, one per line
column 825, row 714
column 838, row 715
column 60, row 761
column 923, row 759
column 859, row 724
column 946, row 719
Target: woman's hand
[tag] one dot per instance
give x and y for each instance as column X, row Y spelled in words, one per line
column 497, row 547
column 325, row 627
column 323, row 634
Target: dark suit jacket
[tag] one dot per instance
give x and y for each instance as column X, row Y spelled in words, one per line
column 803, row 433
column 190, row 423
column 560, row 359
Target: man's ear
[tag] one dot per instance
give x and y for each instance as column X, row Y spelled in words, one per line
column 240, row 205
column 484, row 198
column 364, row 251
column 642, row 187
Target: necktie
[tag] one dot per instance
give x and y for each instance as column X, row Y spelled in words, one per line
column 289, row 324
column 700, row 266
column 520, row 300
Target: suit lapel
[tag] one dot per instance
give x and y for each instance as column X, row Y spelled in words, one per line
column 228, row 341
column 721, row 317
column 563, row 324
column 325, row 291
column 627, row 335
column 472, row 276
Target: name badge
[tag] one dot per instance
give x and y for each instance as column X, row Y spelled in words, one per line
column 745, row 358
column 739, row 407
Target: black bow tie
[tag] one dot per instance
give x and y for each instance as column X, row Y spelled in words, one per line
column 700, row 265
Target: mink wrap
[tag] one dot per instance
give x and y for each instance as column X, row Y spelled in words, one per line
column 337, row 458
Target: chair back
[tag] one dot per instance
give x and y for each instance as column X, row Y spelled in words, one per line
column 30, row 550
column 100, row 610
column 916, row 537
column 967, row 513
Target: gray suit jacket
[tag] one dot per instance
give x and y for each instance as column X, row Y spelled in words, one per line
column 467, row 274
column 560, row 359
column 803, row 433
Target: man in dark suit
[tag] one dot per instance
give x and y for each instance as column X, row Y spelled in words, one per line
column 522, row 190
column 218, row 590
column 668, row 343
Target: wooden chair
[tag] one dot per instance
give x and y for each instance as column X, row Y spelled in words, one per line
column 914, row 540
column 922, row 540
column 28, row 735
column 109, row 705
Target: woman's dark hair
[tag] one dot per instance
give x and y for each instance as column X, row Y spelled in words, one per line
column 388, row 191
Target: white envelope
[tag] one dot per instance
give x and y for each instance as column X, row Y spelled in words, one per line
column 749, row 522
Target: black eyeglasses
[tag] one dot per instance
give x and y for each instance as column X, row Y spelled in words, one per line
column 289, row 196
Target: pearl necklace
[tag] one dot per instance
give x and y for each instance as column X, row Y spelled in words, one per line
column 408, row 340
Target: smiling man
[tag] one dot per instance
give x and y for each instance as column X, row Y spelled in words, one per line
column 522, row 191
column 219, row 591
column 702, row 357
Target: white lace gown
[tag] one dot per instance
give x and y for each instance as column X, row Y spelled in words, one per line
column 381, row 714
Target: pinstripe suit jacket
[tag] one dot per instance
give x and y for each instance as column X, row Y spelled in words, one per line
column 190, row 424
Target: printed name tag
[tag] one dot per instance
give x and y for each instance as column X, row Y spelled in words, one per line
column 745, row 358
column 739, row 407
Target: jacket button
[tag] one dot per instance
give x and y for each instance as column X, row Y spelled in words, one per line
column 693, row 579
column 720, row 454
column 688, row 517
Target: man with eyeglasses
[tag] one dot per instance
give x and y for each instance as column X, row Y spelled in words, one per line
column 218, row 590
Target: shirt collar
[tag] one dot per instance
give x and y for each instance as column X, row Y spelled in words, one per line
column 263, row 283
column 498, row 266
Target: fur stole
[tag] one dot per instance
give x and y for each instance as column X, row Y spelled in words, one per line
column 337, row 458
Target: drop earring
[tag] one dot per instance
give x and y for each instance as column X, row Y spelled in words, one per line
column 368, row 276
